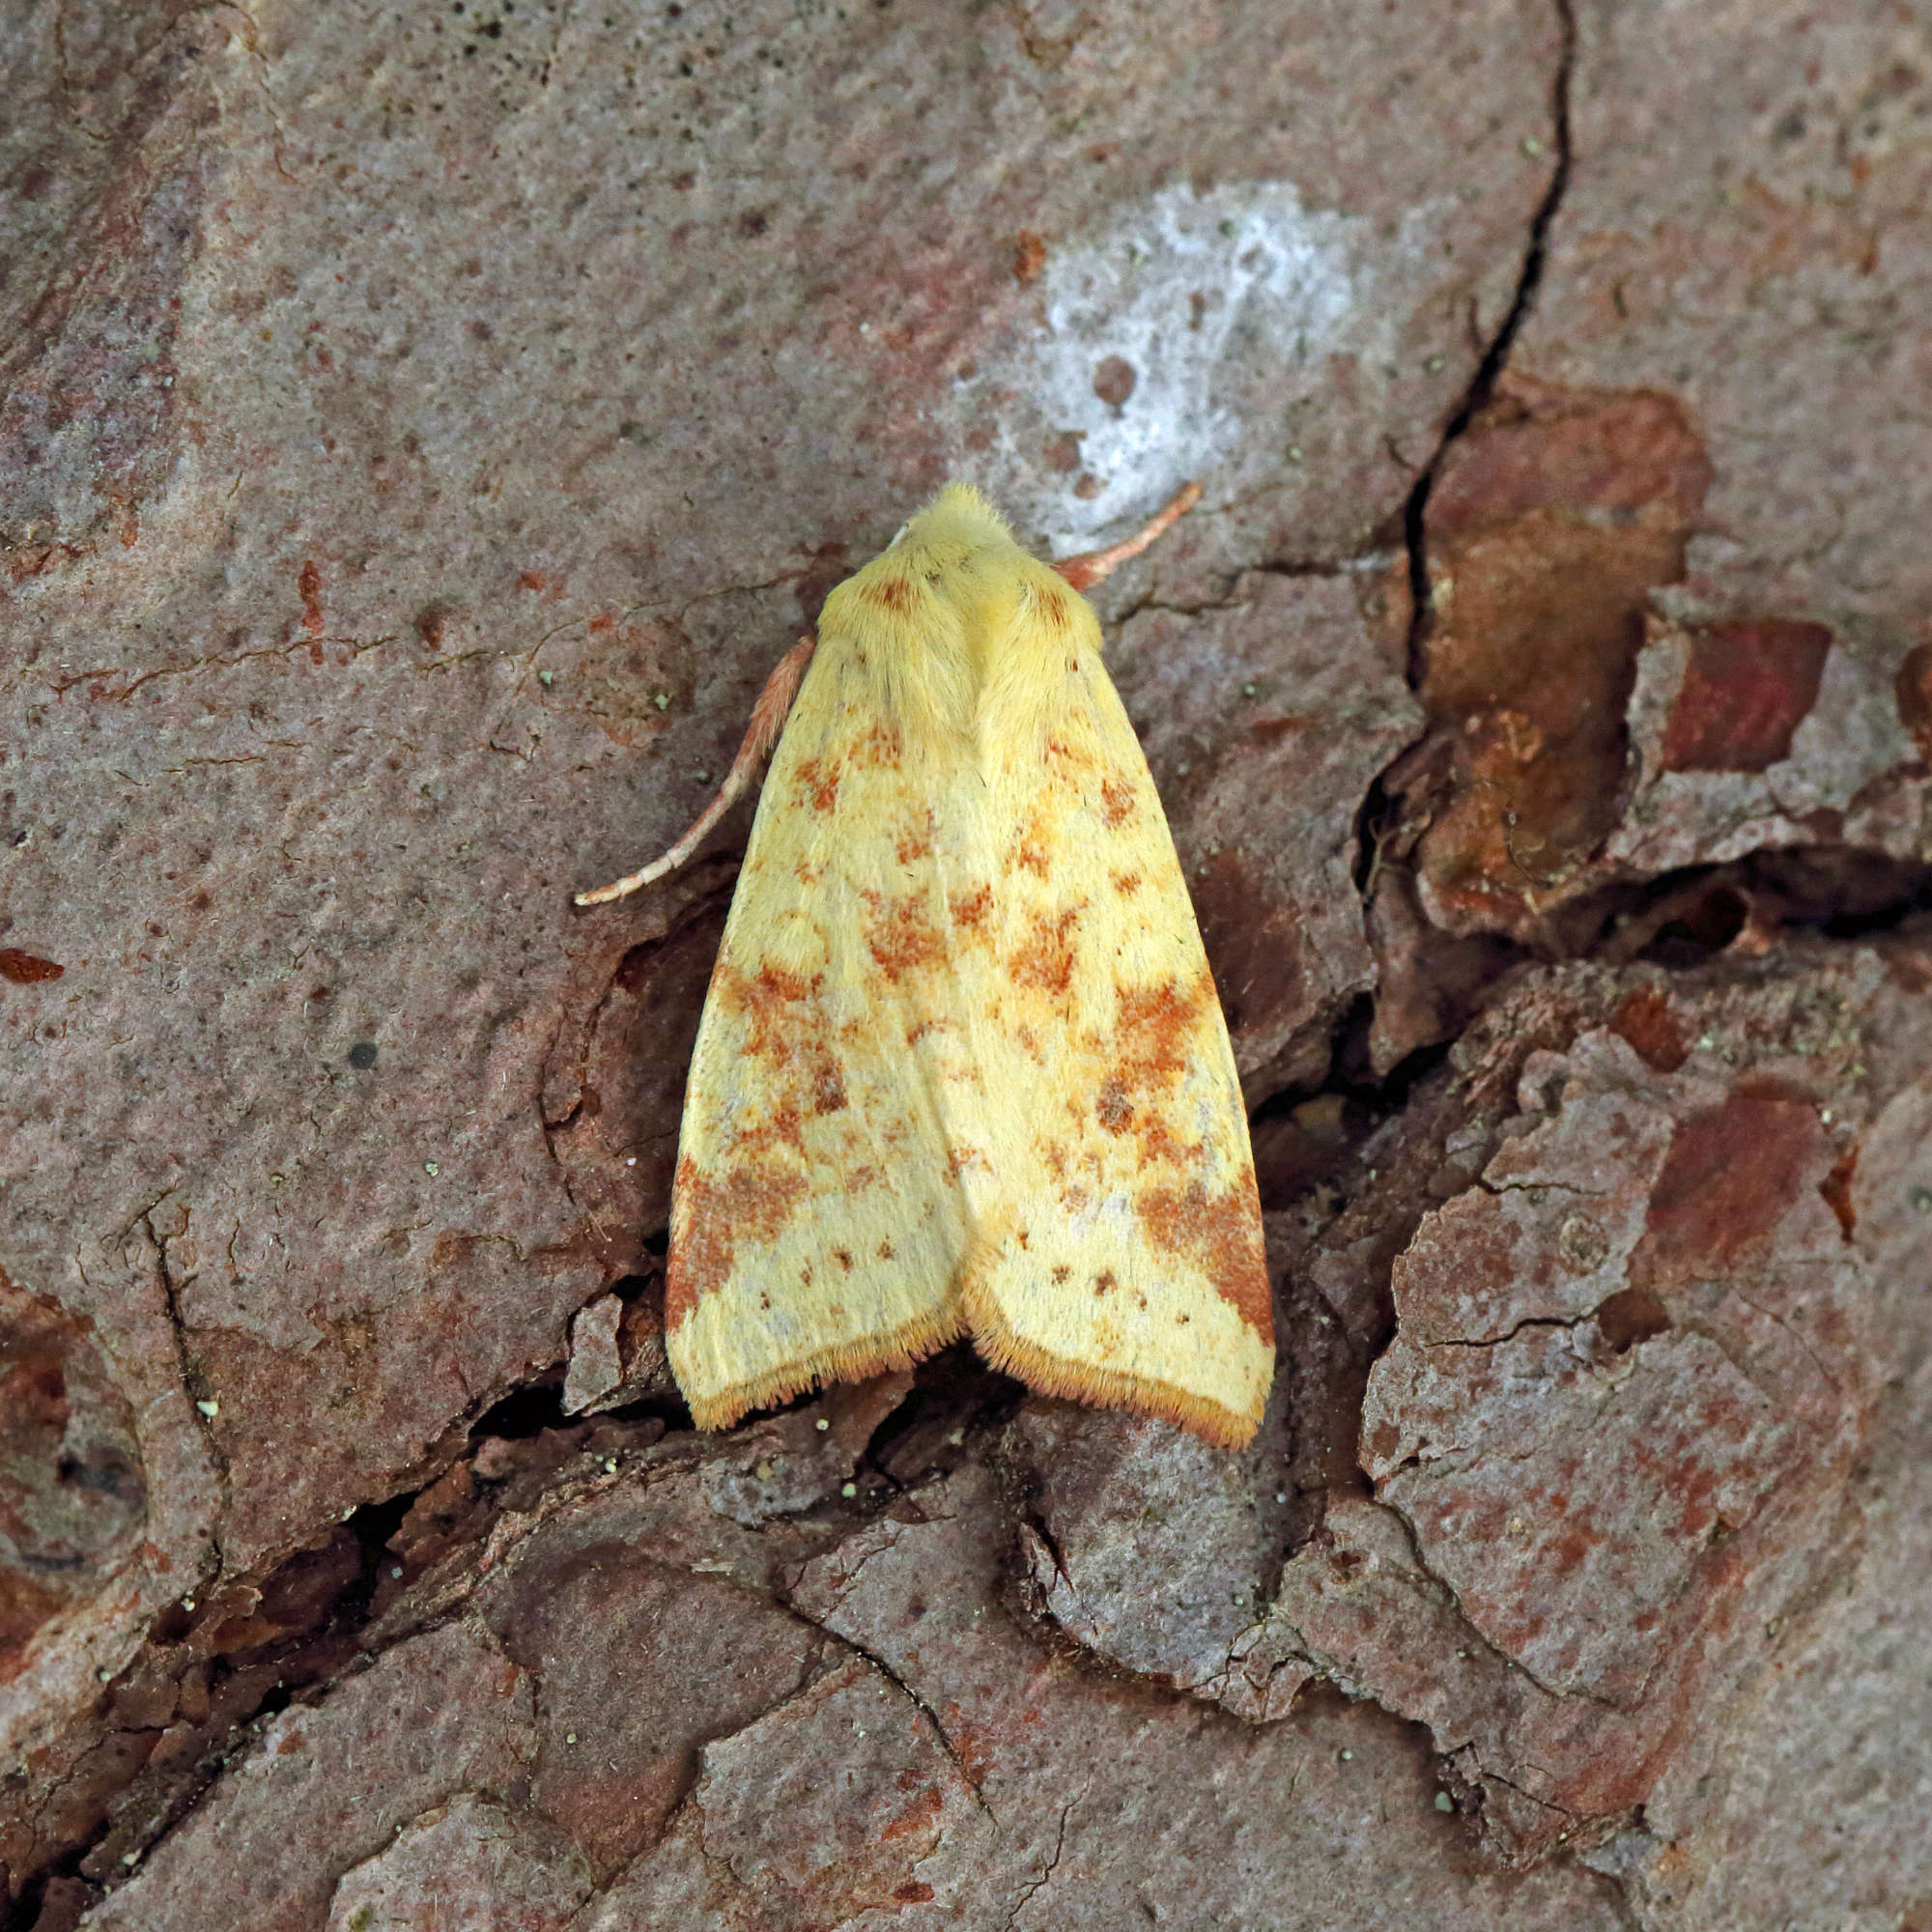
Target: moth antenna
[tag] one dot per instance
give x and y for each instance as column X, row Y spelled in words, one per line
column 768, row 717
column 1086, row 569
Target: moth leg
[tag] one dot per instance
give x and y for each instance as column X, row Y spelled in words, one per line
column 768, row 717
column 1086, row 569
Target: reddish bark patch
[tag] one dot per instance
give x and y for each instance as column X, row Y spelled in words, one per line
column 1643, row 1021
column 1732, row 1175
column 1631, row 1315
column 901, row 937
column 72, row 1496
column 1117, row 803
column 27, row 969
column 1028, row 256
column 310, row 587
column 1913, row 687
column 1555, row 518
column 1746, row 689
column 1045, row 960
column 1837, row 1188
column 1221, row 1235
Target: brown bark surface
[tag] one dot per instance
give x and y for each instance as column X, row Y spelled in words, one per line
column 422, row 428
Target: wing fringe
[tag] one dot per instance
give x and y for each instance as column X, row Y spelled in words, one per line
column 899, row 1348
column 1005, row 1349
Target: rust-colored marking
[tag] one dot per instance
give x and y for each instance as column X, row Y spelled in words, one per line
column 1747, row 687
column 970, row 909
column 1032, row 857
column 27, row 969
column 1062, row 1274
column 1045, row 960
column 770, row 1000
column 879, row 747
column 1154, row 1031
column 779, row 1128
column 843, row 1257
column 1126, row 883
column 1052, row 607
column 1644, row 1023
column 1105, row 1282
column 1117, row 803
column 1221, row 1235
column 901, row 937
column 891, row 593
column 912, row 844
column 815, row 786
column 828, row 1091
column 1158, row 1146
column 1028, row 256
column 885, row 1251
column 1114, row 1109
column 752, row 1202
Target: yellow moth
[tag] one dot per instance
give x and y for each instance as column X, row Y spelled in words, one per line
column 962, row 1069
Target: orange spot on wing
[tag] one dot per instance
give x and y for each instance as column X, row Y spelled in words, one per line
column 1221, row 1235
column 1118, row 803
column 1045, row 960
column 815, row 786
column 752, row 1200
column 901, row 937
column 891, row 593
column 1114, row 1109
column 1126, row 883
column 970, row 909
column 914, row 843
